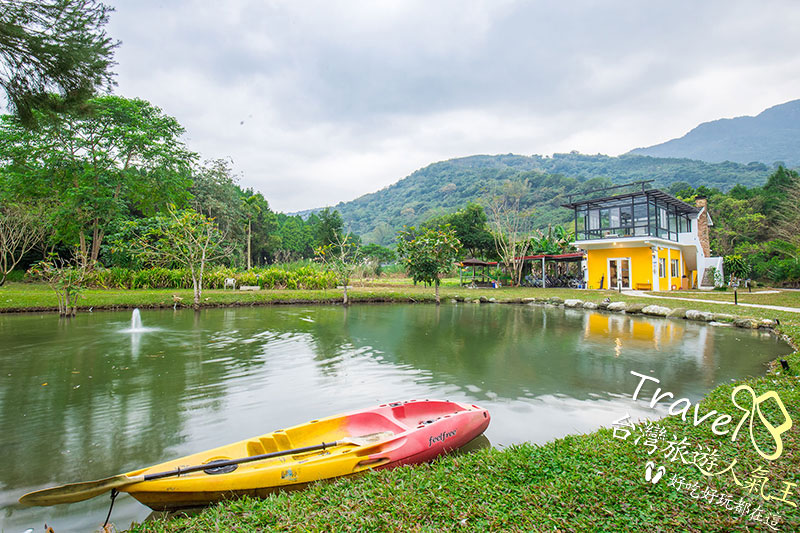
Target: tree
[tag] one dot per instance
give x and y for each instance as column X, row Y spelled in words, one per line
column 125, row 154
column 557, row 240
column 265, row 238
column 375, row 255
column 215, row 194
column 736, row 222
column 774, row 190
column 53, row 46
column 510, row 222
column 340, row 257
column 296, row 236
column 251, row 207
column 328, row 227
column 470, row 227
column 787, row 228
column 65, row 277
column 185, row 238
column 21, row 229
column 428, row 253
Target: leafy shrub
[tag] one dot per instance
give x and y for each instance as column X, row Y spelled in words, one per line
column 302, row 276
column 16, row 275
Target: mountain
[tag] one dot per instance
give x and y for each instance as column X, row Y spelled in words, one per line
column 772, row 135
column 446, row 186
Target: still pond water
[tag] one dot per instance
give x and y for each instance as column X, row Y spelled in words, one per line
column 84, row 399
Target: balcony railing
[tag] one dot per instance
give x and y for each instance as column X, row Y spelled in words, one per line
column 625, row 231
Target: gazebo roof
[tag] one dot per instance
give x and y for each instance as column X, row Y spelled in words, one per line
column 574, row 256
column 471, row 261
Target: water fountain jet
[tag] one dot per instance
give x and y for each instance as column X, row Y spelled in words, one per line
column 136, row 320
column 136, row 323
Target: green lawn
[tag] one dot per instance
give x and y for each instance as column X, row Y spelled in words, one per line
column 768, row 297
column 22, row 296
column 592, row 482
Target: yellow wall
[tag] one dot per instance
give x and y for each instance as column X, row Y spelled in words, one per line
column 641, row 266
column 640, row 258
column 627, row 332
column 666, row 283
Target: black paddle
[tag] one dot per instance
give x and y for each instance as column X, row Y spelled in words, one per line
column 76, row 492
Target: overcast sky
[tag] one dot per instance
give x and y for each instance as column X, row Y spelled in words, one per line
column 318, row 102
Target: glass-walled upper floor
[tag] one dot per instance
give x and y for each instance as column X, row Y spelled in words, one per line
column 631, row 216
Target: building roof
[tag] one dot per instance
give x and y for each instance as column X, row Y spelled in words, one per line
column 682, row 206
column 573, row 256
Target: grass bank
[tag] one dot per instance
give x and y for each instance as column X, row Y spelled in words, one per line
column 593, row 482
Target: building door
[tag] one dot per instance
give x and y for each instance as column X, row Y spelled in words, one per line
column 619, row 272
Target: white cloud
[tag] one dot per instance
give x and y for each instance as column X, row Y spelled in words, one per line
column 319, row 102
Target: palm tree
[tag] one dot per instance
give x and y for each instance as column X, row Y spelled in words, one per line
column 251, row 208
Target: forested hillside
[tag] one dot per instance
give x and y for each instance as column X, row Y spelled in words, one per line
column 448, row 185
column 771, row 136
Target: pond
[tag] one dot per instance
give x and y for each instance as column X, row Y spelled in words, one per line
column 90, row 397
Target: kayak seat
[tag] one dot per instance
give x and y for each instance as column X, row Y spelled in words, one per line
column 316, row 432
column 413, row 413
column 282, row 441
column 261, row 446
column 369, row 423
column 254, row 447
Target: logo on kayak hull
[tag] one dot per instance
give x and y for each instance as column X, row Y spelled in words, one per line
column 441, row 437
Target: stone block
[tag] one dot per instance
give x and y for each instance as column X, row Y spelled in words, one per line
column 747, row 323
column 616, row 306
column 634, row 308
column 678, row 312
column 656, row 310
column 702, row 316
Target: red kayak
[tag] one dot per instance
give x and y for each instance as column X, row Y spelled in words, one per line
column 385, row 436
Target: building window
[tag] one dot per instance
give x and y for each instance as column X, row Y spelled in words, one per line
column 594, row 219
column 662, row 267
column 614, row 214
column 673, row 268
column 662, row 218
column 628, row 215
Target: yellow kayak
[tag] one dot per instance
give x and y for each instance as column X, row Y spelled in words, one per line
column 385, row 436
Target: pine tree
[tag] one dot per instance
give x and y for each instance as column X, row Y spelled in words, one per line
column 54, row 54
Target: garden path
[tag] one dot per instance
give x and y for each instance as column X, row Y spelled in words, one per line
column 643, row 294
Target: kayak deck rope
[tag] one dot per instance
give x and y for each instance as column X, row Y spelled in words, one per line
column 114, row 493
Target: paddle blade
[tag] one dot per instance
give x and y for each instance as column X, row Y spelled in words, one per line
column 77, row 492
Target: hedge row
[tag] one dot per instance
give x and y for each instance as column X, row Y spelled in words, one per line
column 164, row 278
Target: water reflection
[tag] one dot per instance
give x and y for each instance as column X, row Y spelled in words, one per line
column 80, row 401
